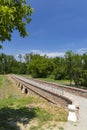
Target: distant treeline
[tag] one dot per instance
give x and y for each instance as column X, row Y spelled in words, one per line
column 72, row 66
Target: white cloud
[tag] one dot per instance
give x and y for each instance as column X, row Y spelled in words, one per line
column 49, row 54
column 82, row 50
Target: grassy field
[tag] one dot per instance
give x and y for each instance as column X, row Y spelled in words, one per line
column 2, row 78
column 20, row 112
column 65, row 82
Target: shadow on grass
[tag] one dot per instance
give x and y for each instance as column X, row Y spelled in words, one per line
column 9, row 117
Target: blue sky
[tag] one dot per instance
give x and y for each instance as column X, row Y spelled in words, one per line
column 57, row 26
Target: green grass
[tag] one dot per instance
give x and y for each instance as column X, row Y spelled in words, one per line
column 23, row 109
column 64, row 82
column 2, row 78
column 11, row 101
column 67, row 82
column 17, row 110
column 61, row 128
column 43, row 115
column 50, row 80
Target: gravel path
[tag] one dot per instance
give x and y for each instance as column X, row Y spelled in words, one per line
column 82, row 121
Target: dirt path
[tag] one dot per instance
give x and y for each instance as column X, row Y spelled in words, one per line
column 82, row 122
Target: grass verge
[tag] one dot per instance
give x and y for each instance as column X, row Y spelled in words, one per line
column 2, row 78
column 21, row 112
column 65, row 82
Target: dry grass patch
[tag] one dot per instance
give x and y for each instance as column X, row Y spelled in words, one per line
column 21, row 112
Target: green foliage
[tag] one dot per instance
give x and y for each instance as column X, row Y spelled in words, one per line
column 43, row 115
column 1, row 81
column 83, row 79
column 59, row 68
column 69, row 64
column 9, row 64
column 40, row 67
column 72, row 67
column 61, row 128
column 58, row 73
column 14, row 15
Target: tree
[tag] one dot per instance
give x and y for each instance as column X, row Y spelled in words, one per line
column 77, row 68
column 28, row 57
column 59, row 68
column 69, row 64
column 14, row 15
column 84, row 70
column 74, row 67
column 40, row 66
column 6, row 63
column 20, row 57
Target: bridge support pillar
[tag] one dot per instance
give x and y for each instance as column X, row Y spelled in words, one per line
column 23, row 89
column 18, row 84
column 26, row 91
